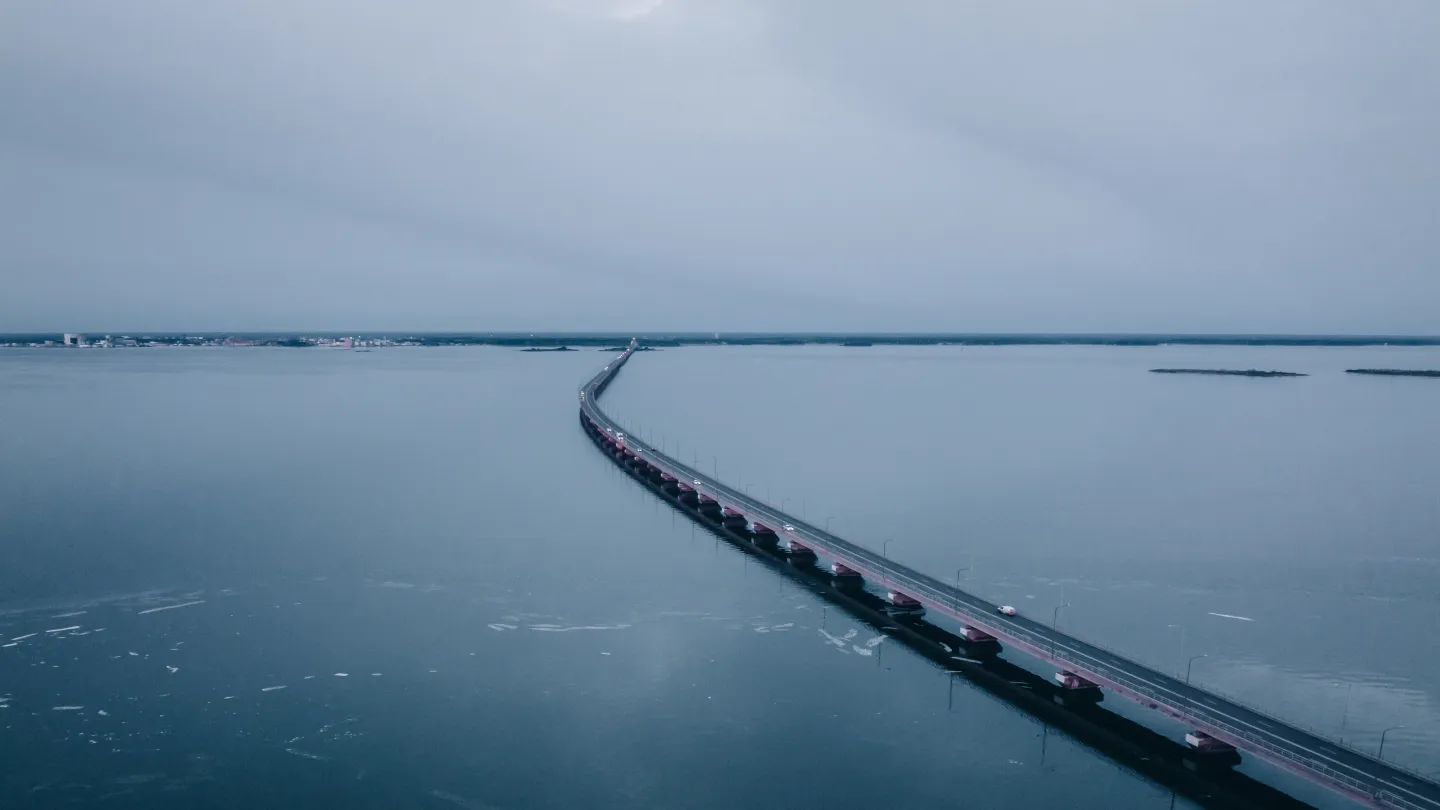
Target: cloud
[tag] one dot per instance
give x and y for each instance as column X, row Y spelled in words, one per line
column 742, row 165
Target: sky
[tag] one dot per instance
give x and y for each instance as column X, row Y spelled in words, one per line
column 721, row 165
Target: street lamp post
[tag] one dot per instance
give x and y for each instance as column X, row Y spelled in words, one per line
column 958, row 572
column 1345, row 716
column 1191, row 663
column 885, row 547
column 782, row 504
column 1055, row 620
column 827, row 522
column 1381, row 753
column 1181, row 628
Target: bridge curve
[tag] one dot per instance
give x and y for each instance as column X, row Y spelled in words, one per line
column 1345, row 770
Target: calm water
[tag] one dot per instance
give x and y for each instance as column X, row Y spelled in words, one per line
column 520, row 626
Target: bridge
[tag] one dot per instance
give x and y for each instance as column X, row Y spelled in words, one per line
column 1221, row 726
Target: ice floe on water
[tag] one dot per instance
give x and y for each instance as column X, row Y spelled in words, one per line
column 22, row 638
column 306, row 754
column 502, row 627
column 773, row 628
column 63, row 629
column 66, row 708
column 555, row 628
column 460, row 801
column 880, row 639
column 1228, row 616
column 103, row 713
column 170, row 607
column 11, row 644
column 71, row 613
column 272, row 688
column 342, row 674
column 172, row 669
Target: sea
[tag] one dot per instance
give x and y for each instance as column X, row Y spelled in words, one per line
column 404, row 578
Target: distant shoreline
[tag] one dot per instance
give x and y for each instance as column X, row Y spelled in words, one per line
column 607, row 340
column 1394, row 372
column 1225, row 372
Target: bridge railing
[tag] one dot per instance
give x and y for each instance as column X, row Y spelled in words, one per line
column 1187, row 706
column 943, row 594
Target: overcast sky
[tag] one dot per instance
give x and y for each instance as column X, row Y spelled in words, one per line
column 887, row 165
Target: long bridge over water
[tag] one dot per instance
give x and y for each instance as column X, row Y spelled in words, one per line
column 1221, row 726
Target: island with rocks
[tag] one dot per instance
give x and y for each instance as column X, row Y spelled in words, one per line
column 1227, row 372
column 1394, row 372
column 551, row 349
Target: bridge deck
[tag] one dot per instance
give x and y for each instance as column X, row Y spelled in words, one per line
column 1354, row 773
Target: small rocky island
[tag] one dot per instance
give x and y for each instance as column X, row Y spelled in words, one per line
column 1227, row 372
column 1394, row 372
column 550, row 349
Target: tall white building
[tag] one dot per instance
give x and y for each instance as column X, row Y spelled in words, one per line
column 74, row 339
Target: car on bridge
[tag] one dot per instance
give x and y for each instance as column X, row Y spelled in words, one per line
column 697, row 482
column 789, row 528
column 1007, row 610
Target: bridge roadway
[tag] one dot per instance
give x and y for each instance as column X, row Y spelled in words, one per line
column 1346, row 770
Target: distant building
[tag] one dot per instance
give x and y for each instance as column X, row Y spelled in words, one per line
column 73, row 339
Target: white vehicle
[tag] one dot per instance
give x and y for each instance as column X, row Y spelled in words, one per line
column 1007, row 610
column 620, row 437
column 789, row 528
column 611, row 432
column 697, row 482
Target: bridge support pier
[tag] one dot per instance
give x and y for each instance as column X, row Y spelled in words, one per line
column 904, row 605
column 974, row 636
column 1077, row 689
column 846, row 578
column 799, row 554
column 1208, row 753
column 733, row 520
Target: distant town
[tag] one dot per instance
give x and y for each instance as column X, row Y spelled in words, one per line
column 75, row 340
column 616, row 341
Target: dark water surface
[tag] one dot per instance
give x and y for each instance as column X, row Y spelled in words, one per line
column 520, row 626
